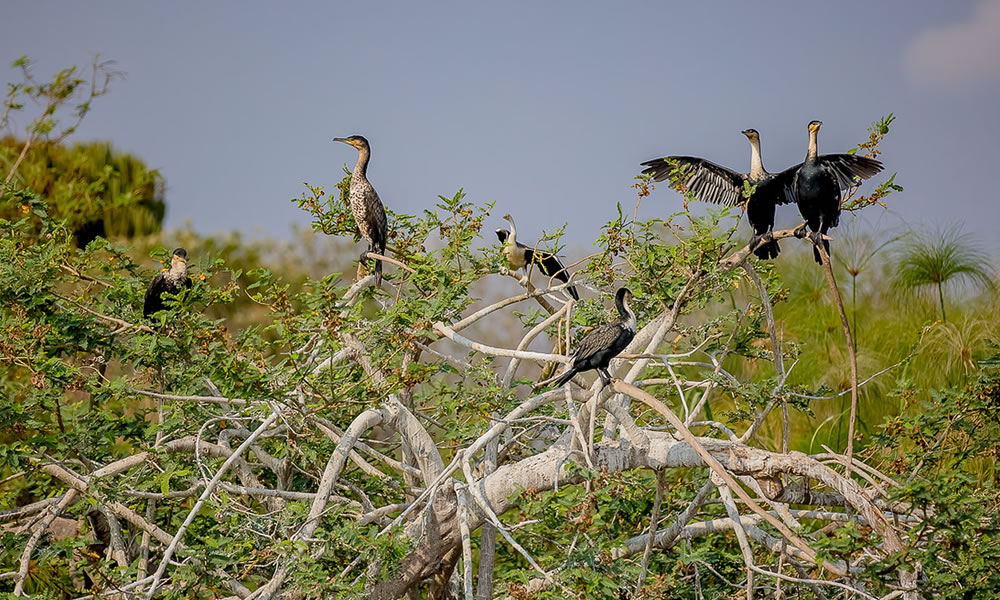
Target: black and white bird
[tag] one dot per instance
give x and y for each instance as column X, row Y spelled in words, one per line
column 369, row 214
column 171, row 281
column 520, row 256
column 710, row 182
column 818, row 182
column 604, row 343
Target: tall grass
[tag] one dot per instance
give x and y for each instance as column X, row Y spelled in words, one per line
column 940, row 259
column 892, row 326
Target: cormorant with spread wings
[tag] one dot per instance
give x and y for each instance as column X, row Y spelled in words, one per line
column 818, row 182
column 710, row 182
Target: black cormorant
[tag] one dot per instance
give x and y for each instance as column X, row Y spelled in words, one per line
column 818, row 182
column 520, row 256
column 710, row 182
column 172, row 281
column 604, row 343
column 369, row 214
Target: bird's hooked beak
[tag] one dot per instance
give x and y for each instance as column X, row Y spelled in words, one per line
column 347, row 141
column 175, row 259
column 814, row 126
column 750, row 133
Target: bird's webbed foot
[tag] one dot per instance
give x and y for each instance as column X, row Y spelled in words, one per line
column 754, row 241
column 816, row 237
column 800, row 231
column 768, row 237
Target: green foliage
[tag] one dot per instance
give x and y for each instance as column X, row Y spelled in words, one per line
column 946, row 451
column 96, row 191
column 93, row 190
column 55, row 97
column 870, row 149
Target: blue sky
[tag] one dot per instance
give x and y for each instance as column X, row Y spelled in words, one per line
column 546, row 108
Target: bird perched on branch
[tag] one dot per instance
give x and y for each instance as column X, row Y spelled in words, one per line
column 818, row 182
column 604, row 343
column 520, row 256
column 369, row 214
column 171, row 281
column 710, row 182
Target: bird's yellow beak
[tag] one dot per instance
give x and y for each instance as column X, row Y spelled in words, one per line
column 344, row 140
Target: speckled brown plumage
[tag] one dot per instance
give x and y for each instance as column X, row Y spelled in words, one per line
column 366, row 206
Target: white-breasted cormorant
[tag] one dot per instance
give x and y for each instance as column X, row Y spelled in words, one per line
column 520, row 256
column 604, row 343
column 172, row 281
column 369, row 214
column 710, row 182
column 818, row 182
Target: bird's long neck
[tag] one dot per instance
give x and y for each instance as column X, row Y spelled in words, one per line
column 512, row 238
column 361, row 169
column 625, row 311
column 756, row 164
column 813, row 145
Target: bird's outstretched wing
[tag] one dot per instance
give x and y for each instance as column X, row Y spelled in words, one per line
column 846, row 167
column 708, row 181
column 780, row 188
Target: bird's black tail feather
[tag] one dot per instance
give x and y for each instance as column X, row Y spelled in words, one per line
column 768, row 251
column 563, row 276
column 565, row 377
column 378, row 273
column 826, row 246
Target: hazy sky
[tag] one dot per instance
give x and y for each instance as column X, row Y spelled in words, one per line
column 545, row 107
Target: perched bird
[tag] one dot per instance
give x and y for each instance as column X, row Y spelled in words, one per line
column 172, row 281
column 818, row 182
column 604, row 343
column 710, row 182
column 369, row 214
column 520, row 256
